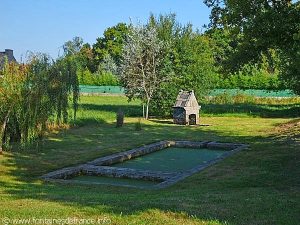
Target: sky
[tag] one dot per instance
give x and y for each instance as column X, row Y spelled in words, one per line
column 44, row 25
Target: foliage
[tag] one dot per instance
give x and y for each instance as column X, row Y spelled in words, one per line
column 291, row 62
column 108, row 65
column 85, row 77
column 250, row 76
column 111, row 44
column 33, row 94
column 224, row 44
column 12, row 80
column 234, row 72
column 190, row 60
column 81, row 54
column 73, row 46
column 64, row 87
column 106, row 79
column 143, row 65
column 85, row 58
column 262, row 25
column 99, row 78
column 88, row 71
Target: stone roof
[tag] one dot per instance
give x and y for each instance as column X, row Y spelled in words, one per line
column 6, row 54
column 186, row 99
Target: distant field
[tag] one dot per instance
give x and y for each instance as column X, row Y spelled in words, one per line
column 256, row 186
column 103, row 108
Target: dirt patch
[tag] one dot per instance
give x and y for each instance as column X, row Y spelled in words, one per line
column 289, row 131
column 293, row 124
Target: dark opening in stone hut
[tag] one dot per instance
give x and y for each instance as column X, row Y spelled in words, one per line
column 186, row 109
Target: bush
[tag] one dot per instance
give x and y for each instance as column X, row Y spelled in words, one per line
column 250, row 76
column 105, row 79
column 99, row 78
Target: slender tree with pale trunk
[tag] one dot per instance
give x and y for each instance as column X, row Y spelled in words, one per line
column 143, row 65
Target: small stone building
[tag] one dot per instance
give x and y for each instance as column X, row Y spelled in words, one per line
column 186, row 109
column 9, row 55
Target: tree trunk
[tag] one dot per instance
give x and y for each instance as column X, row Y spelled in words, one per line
column 143, row 110
column 2, row 131
column 147, row 109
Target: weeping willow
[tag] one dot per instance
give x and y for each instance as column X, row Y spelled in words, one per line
column 33, row 95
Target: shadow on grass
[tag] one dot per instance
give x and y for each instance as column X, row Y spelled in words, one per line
column 256, row 172
column 265, row 111
column 162, row 121
column 129, row 110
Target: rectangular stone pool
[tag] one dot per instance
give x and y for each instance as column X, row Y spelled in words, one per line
column 157, row 165
column 172, row 159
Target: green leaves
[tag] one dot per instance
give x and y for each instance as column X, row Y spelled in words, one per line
column 261, row 25
column 111, row 44
column 31, row 95
column 190, row 62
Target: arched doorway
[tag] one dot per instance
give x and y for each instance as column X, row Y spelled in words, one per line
column 192, row 119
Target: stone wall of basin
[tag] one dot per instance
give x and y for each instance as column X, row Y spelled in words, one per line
column 101, row 166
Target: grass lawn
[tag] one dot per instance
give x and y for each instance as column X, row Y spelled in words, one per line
column 256, row 186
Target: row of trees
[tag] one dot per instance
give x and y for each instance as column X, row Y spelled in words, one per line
column 98, row 65
column 162, row 57
column 189, row 60
column 249, row 47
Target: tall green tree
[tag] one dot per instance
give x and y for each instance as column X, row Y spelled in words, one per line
column 81, row 54
column 111, row 43
column 263, row 25
column 190, row 58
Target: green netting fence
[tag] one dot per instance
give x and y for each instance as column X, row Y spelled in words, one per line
column 87, row 89
column 256, row 93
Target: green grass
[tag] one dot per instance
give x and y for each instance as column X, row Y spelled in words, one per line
column 171, row 159
column 258, row 186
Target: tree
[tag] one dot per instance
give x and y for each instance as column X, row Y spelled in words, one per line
column 108, row 65
column 190, row 62
column 263, row 25
column 111, row 44
column 142, row 66
column 85, row 58
column 224, row 45
column 33, row 94
column 73, row 47
column 11, row 82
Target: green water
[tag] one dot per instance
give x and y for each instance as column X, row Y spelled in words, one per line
column 171, row 159
column 115, row 181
